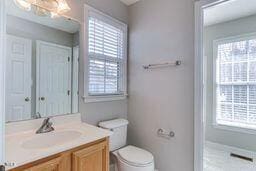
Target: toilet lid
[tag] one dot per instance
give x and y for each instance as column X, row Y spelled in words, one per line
column 136, row 156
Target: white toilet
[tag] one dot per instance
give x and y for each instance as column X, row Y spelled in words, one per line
column 129, row 158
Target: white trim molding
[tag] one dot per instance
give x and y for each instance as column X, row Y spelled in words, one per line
column 229, row 125
column 199, row 81
column 234, row 128
column 92, row 99
column 2, row 79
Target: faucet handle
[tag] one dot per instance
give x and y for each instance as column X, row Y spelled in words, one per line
column 46, row 121
column 46, row 127
column 49, row 126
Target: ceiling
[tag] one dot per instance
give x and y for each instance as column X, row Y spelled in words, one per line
column 228, row 11
column 129, row 2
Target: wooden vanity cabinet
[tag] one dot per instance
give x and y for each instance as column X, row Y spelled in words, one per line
column 52, row 165
column 93, row 158
column 90, row 157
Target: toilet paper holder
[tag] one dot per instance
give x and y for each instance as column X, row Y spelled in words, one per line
column 162, row 133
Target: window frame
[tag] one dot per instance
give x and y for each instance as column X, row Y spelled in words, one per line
column 88, row 98
column 227, row 127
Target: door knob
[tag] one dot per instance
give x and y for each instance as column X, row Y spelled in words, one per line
column 27, row 99
column 42, row 98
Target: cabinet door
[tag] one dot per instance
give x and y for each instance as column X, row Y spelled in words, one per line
column 52, row 165
column 93, row 158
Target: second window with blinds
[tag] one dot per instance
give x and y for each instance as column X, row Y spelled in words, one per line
column 106, row 57
column 235, row 82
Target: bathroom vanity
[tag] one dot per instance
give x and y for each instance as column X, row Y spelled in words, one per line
column 91, row 155
column 72, row 146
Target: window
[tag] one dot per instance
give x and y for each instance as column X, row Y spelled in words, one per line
column 236, row 82
column 106, row 57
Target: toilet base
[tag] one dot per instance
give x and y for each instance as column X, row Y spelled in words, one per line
column 120, row 165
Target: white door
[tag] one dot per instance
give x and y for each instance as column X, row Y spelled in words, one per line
column 53, row 79
column 18, row 78
column 75, row 72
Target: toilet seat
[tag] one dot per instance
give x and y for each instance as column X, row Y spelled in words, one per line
column 135, row 156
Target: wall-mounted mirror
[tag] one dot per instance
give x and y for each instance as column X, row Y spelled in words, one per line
column 42, row 64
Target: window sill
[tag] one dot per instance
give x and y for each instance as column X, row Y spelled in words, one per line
column 97, row 99
column 234, row 128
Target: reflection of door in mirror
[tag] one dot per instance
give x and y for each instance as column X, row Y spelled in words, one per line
column 53, row 79
column 42, row 65
column 18, row 89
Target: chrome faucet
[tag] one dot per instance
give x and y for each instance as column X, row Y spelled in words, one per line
column 45, row 127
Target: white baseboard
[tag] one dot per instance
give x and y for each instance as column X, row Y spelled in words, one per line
column 231, row 149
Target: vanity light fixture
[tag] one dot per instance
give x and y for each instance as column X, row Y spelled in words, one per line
column 62, row 7
column 25, row 5
column 54, row 8
column 54, row 15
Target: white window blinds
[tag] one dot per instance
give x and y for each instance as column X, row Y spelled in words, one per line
column 107, row 60
column 236, row 83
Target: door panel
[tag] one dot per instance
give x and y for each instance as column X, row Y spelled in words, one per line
column 52, row 165
column 18, row 84
column 93, row 158
column 53, row 79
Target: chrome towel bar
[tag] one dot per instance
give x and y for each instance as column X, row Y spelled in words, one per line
column 161, row 65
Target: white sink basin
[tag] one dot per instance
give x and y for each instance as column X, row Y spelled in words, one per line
column 47, row 140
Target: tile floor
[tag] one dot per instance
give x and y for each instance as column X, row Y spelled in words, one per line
column 217, row 160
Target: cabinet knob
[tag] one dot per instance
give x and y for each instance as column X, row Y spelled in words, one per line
column 27, row 99
column 42, row 98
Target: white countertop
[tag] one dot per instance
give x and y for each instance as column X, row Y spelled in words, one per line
column 18, row 155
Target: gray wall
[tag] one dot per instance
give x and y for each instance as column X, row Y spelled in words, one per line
column 94, row 112
column 161, row 31
column 218, row 31
column 23, row 28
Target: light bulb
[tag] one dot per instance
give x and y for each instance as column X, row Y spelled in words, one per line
column 31, row 1
column 40, row 11
column 23, row 4
column 62, row 6
column 54, row 15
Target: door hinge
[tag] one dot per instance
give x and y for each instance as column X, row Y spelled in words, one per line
column 68, row 59
column 68, row 92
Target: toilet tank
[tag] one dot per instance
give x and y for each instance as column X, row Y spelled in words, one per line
column 119, row 136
